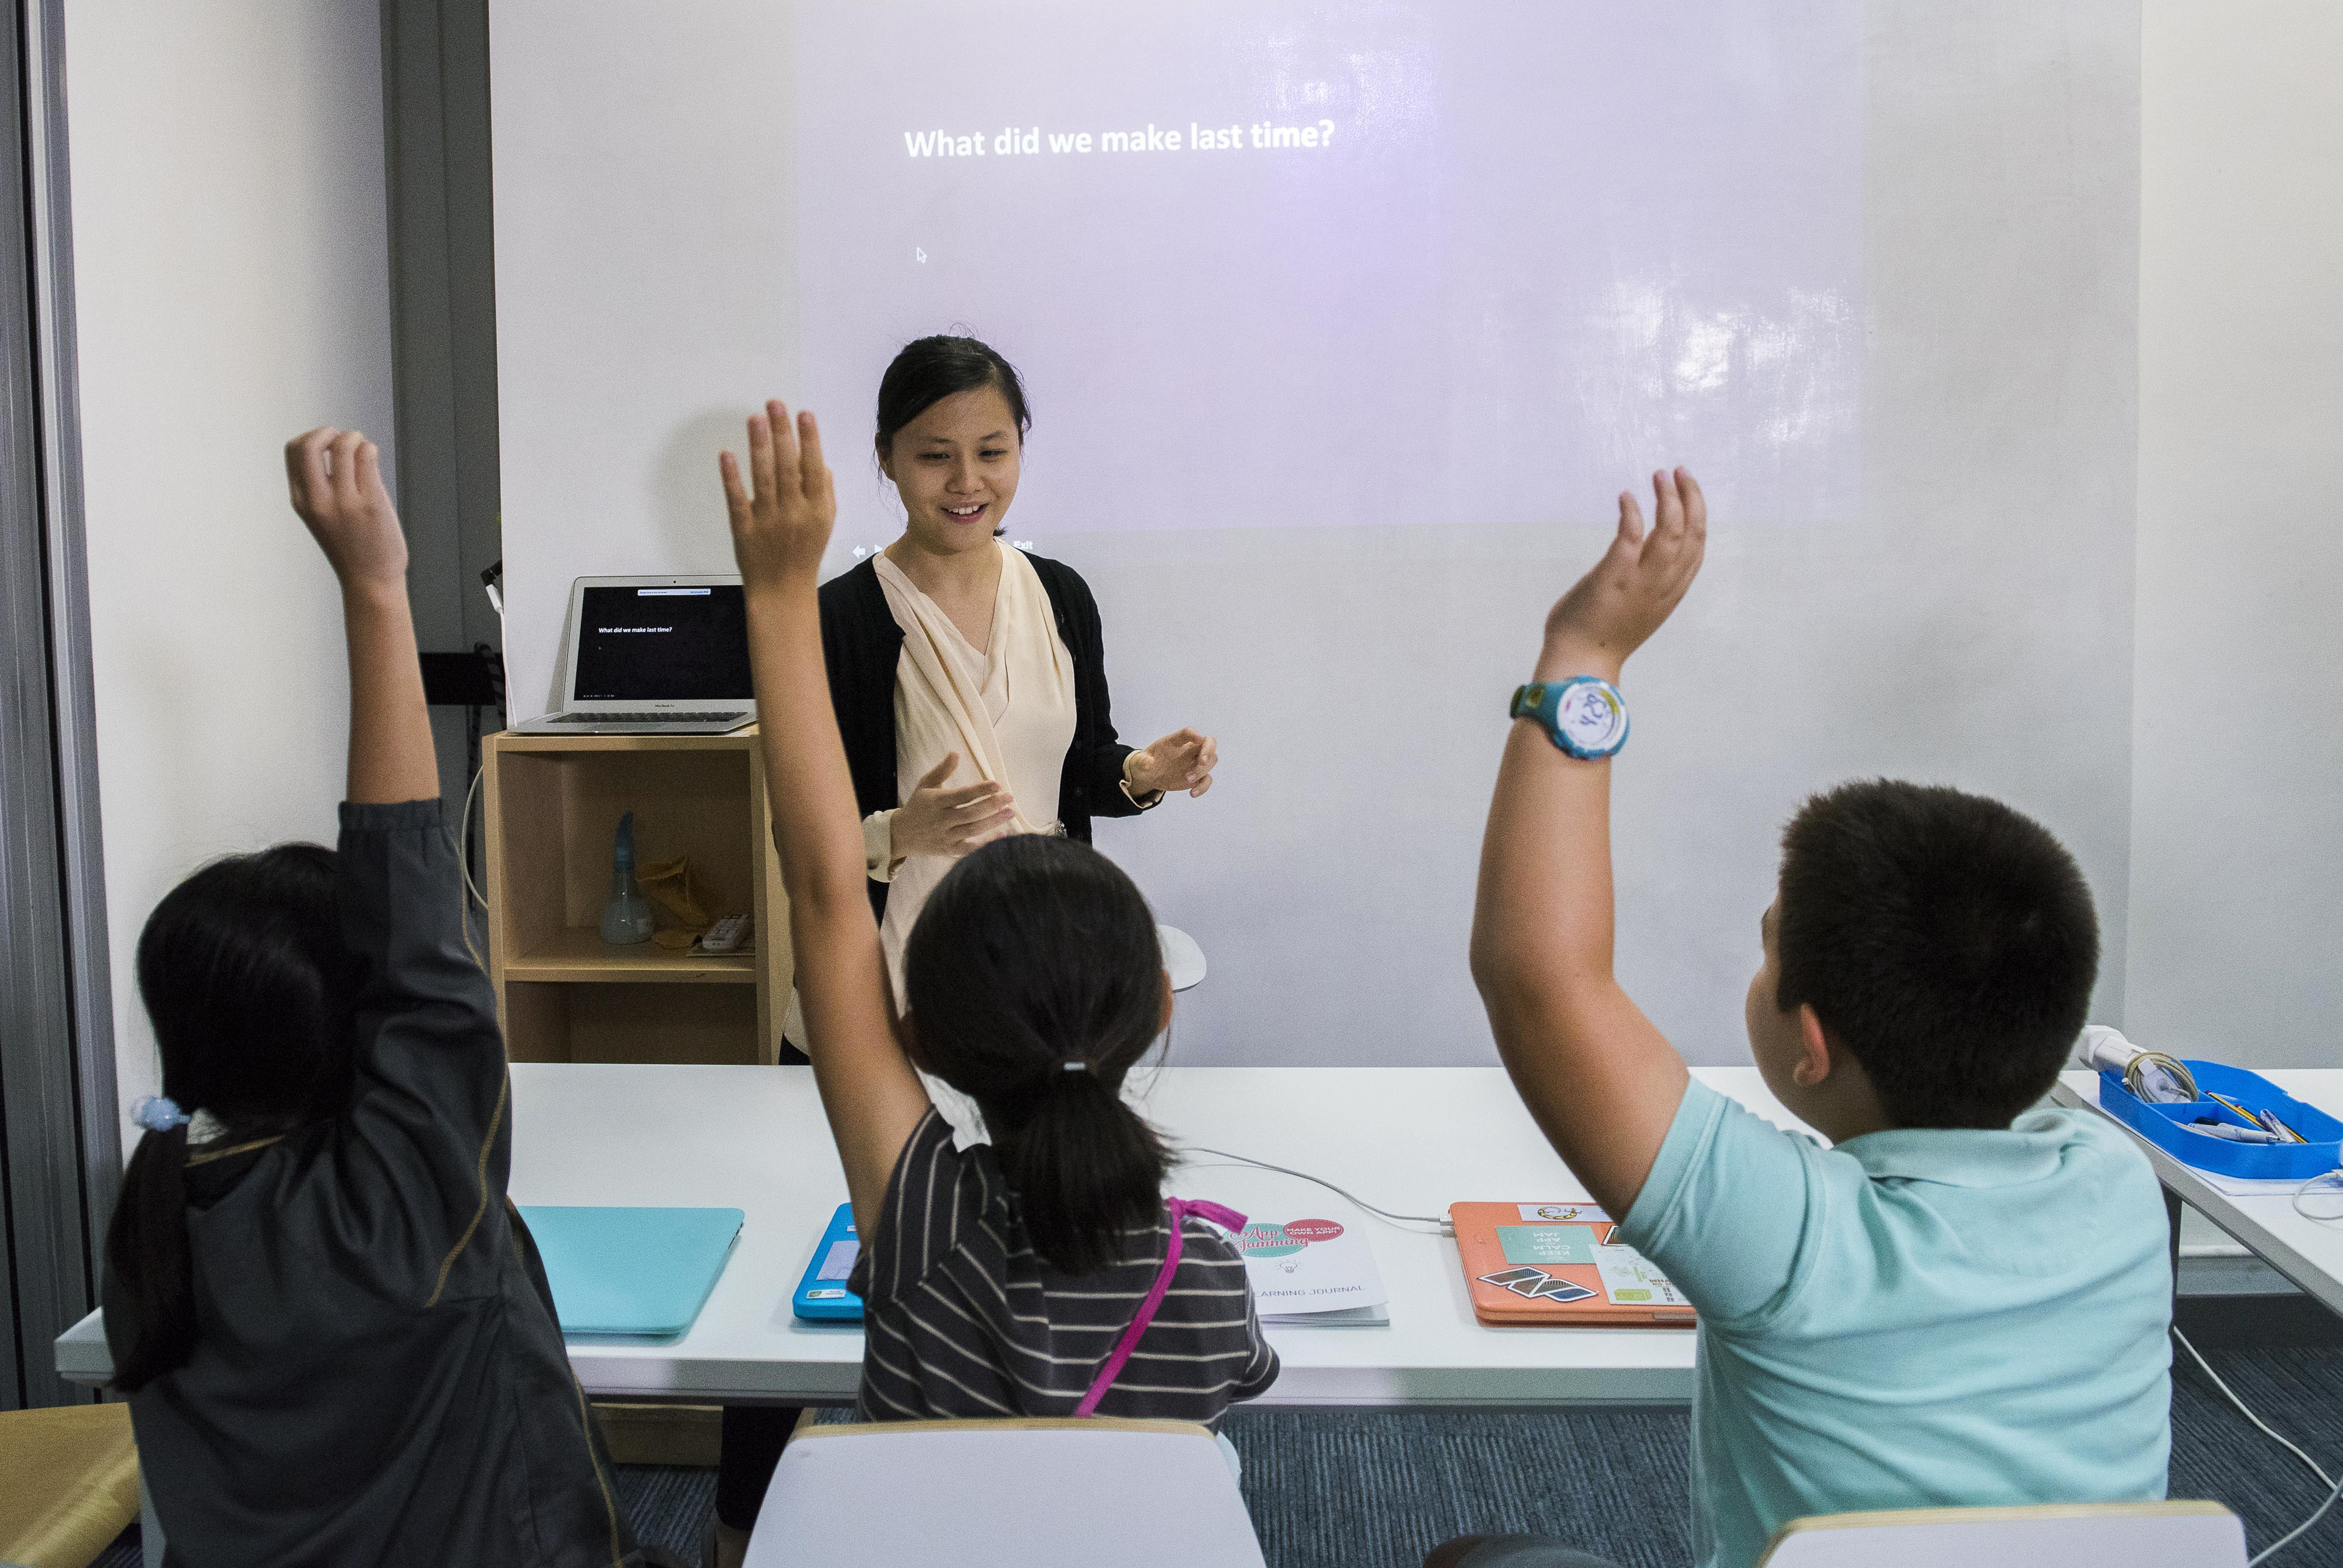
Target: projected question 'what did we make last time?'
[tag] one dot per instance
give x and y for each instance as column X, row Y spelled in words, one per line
column 1033, row 141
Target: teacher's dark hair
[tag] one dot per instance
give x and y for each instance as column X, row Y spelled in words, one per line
column 252, row 992
column 1032, row 955
column 930, row 369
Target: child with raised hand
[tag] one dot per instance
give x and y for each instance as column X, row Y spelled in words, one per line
column 1963, row 1299
column 1042, row 1274
column 337, row 1338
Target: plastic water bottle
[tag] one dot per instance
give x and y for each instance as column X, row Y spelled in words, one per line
column 627, row 918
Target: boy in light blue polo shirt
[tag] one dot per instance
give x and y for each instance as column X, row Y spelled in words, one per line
column 1963, row 1299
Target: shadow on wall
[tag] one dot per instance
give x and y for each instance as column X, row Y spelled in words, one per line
column 556, row 698
column 687, row 497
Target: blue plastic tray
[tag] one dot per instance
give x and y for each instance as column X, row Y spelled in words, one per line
column 2167, row 1126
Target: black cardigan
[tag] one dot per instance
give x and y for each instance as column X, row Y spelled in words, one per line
column 861, row 645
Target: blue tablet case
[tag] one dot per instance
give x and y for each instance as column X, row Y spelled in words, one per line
column 821, row 1295
column 632, row 1270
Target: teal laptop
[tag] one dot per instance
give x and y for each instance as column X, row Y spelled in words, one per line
column 644, row 1271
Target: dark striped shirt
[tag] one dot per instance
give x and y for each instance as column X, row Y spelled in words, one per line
column 961, row 1318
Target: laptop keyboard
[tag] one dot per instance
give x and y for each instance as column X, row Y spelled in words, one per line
column 721, row 718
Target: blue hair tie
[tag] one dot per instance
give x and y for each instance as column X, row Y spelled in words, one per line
column 158, row 1113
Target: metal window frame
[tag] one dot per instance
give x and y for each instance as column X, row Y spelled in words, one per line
column 60, row 1132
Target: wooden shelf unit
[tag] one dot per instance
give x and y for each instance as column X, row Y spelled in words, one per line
column 578, row 954
column 553, row 804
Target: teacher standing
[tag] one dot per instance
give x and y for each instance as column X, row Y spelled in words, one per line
column 970, row 682
column 969, row 678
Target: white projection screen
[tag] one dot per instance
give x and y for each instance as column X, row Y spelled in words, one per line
column 1343, row 325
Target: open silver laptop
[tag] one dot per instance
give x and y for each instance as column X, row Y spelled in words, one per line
column 653, row 656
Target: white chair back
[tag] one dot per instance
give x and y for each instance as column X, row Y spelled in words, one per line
column 2079, row 1535
column 1034, row 1493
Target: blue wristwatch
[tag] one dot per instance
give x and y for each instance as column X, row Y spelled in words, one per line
column 1586, row 716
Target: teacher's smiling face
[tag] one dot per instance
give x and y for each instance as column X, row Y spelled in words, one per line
column 955, row 466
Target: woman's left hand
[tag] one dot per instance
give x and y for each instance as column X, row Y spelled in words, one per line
column 1182, row 760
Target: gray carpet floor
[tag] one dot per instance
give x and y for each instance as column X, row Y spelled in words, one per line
column 1367, row 1491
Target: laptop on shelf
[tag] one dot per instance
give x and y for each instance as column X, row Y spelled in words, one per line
column 653, row 656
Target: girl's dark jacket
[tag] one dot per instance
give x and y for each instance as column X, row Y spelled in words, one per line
column 379, row 1374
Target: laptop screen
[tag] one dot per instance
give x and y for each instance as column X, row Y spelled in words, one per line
column 684, row 644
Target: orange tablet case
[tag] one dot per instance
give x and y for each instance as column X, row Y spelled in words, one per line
column 1551, row 1277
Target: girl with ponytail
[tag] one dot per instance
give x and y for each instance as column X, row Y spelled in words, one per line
column 1044, row 1273
column 336, row 1339
column 250, row 988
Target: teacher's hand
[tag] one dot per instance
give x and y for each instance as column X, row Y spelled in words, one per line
column 950, row 822
column 1182, row 760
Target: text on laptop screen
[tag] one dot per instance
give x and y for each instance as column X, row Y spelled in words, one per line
column 662, row 645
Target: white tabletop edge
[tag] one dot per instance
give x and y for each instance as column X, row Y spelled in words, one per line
column 1412, row 1139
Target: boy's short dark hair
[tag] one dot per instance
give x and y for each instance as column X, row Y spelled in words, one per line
column 1946, row 940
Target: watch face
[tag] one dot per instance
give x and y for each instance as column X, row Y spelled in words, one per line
column 1592, row 717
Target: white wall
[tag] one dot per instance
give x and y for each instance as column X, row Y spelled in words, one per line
column 231, row 276
column 1356, row 674
column 232, row 289
column 2237, row 881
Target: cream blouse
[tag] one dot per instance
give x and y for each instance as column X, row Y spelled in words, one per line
column 1007, row 708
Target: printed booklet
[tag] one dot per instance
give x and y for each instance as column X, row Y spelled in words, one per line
column 1313, row 1273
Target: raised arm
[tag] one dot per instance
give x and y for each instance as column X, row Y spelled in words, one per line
column 428, row 1111
column 780, row 527
column 335, row 476
column 1601, row 1082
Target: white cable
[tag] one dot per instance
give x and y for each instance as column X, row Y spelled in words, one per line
column 2332, row 1187
column 1445, row 1228
column 464, row 838
column 2287, row 1539
column 464, row 865
column 2334, row 1487
column 2324, row 1479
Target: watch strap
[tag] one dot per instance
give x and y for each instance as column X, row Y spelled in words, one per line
column 1584, row 716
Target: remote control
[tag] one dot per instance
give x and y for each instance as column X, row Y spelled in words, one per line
column 725, row 934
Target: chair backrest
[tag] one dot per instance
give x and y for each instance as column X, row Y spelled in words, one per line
column 71, row 1482
column 1036, row 1494
column 2056, row 1535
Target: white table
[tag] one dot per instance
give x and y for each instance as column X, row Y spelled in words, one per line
column 1410, row 1140
column 2306, row 1251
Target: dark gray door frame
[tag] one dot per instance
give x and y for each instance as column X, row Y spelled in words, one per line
column 443, row 316
column 60, row 1129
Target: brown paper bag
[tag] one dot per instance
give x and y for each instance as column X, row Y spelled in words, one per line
column 668, row 884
